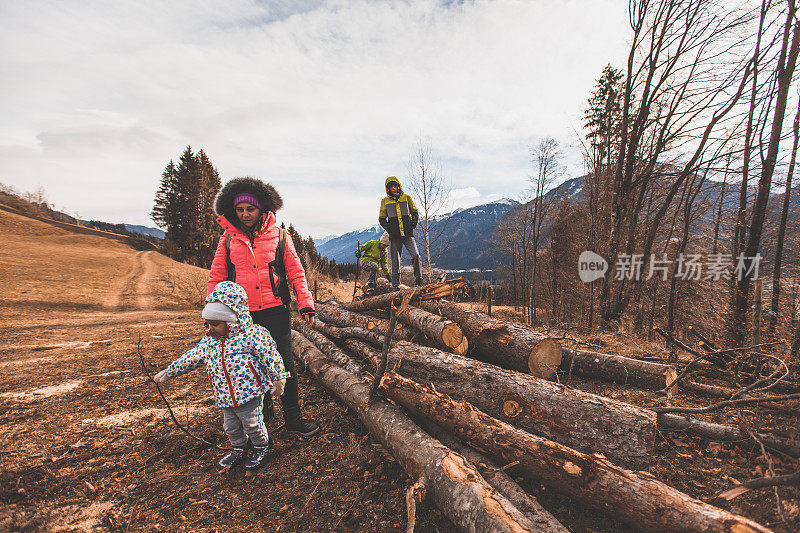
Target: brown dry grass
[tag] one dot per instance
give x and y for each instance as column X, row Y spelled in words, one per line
column 44, row 266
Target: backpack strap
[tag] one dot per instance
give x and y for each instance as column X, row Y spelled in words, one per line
column 277, row 268
column 231, row 267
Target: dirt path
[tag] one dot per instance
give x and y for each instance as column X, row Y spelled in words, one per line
column 136, row 289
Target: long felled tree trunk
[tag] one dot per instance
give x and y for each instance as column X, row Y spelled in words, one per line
column 454, row 484
column 594, row 424
column 578, row 419
column 618, row 369
column 342, row 318
column 442, row 289
column 537, row 411
column 445, row 333
column 498, row 479
column 636, row 498
column 502, row 343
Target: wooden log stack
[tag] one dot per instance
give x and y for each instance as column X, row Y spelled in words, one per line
column 592, row 448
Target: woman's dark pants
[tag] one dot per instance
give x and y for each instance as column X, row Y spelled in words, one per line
column 278, row 321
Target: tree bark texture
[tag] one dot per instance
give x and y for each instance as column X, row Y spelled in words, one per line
column 718, row 432
column 593, row 424
column 502, row 343
column 633, row 497
column 331, row 350
column 627, row 412
column 442, row 332
column 353, row 332
column 618, row 369
column 426, row 292
column 527, row 504
column 340, row 317
column 456, row 487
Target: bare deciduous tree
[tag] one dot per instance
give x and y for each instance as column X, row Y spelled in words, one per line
column 782, row 73
column 546, row 158
column 686, row 71
column 431, row 190
column 776, row 272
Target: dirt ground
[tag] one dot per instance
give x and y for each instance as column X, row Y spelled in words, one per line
column 87, row 444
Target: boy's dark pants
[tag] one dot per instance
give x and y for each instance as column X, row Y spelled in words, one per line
column 371, row 267
column 395, row 249
column 278, row 321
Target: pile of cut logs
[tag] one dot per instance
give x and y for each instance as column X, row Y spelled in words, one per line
column 458, row 397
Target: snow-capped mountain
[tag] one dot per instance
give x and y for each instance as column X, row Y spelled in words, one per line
column 468, row 231
column 462, row 246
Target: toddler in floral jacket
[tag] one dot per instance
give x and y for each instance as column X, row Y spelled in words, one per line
column 243, row 364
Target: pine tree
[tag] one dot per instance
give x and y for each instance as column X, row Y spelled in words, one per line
column 184, row 208
column 603, row 117
column 161, row 206
column 209, row 229
column 299, row 245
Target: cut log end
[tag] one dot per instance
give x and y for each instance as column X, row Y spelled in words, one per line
column 452, row 336
column 670, row 375
column 512, row 408
column 545, row 358
column 462, row 348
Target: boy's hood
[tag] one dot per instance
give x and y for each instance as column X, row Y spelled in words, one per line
column 234, row 296
column 393, row 179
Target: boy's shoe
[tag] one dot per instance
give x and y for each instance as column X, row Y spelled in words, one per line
column 260, row 456
column 302, row 426
column 370, row 287
column 232, row 458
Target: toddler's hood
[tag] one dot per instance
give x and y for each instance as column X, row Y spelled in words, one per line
column 234, row 296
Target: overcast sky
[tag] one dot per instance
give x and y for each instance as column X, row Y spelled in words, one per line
column 322, row 99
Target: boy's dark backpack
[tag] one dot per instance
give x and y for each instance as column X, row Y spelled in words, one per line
column 276, row 267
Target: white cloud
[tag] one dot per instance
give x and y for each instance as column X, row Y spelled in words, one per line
column 324, row 99
column 462, row 198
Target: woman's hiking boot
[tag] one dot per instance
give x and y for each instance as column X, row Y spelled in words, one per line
column 232, row 458
column 260, row 456
column 301, row 426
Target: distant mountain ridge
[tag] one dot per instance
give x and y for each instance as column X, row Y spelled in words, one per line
column 469, row 230
column 145, row 230
column 464, row 247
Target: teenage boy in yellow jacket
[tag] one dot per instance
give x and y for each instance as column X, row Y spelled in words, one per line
column 372, row 256
column 399, row 216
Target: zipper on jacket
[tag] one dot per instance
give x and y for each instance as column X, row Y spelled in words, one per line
column 227, row 376
column 258, row 276
column 399, row 215
column 269, row 273
column 253, row 370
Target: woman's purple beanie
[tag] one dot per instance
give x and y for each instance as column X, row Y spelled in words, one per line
column 249, row 198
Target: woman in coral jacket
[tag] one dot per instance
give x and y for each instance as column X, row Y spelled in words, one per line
column 246, row 210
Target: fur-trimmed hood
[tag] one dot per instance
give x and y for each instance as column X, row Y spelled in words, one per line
column 265, row 193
